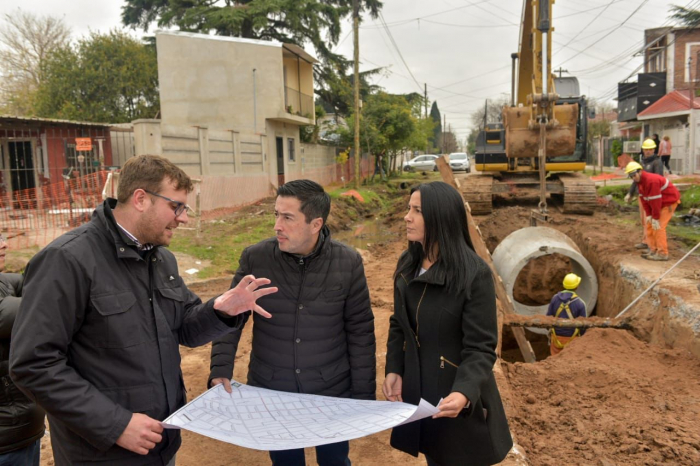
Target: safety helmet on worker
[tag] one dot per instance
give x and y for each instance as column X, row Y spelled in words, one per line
column 571, row 281
column 649, row 144
column 633, row 167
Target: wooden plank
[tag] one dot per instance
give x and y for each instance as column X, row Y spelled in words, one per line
column 483, row 252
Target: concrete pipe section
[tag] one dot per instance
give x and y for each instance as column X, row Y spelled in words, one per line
column 518, row 248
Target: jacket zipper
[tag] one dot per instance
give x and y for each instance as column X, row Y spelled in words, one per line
column 415, row 333
column 420, row 301
column 444, row 360
column 296, row 321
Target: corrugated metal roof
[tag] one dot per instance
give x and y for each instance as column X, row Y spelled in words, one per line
column 51, row 120
column 673, row 102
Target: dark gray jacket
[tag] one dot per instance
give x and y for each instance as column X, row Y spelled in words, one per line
column 21, row 420
column 452, row 351
column 652, row 164
column 97, row 339
column 320, row 339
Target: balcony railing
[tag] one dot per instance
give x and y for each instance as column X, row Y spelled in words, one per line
column 298, row 103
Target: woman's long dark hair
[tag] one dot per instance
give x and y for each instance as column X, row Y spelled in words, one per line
column 445, row 220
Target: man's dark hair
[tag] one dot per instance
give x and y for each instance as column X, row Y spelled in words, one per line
column 315, row 202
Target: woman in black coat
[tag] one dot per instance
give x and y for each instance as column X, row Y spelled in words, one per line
column 442, row 337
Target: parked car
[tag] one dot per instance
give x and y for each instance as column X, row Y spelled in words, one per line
column 424, row 163
column 460, row 161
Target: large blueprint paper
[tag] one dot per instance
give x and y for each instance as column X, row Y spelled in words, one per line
column 265, row 419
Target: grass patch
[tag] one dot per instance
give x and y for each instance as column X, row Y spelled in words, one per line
column 687, row 235
column 617, row 191
column 690, row 197
column 222, row 241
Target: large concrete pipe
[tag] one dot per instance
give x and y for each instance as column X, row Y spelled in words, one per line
column 518, row 248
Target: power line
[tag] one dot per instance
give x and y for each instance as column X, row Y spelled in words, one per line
column 391, row 38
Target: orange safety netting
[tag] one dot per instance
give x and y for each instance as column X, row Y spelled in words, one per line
column 35, row 217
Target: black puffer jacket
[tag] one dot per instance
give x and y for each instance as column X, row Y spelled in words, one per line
column 320, row 339
column 21, row 420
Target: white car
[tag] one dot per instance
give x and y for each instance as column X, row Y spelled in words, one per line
column 460, row 161
column 424, row 163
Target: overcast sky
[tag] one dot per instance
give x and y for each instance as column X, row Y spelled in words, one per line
column 459, row 48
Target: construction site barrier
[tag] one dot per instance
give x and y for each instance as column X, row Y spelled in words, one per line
column 35, row 217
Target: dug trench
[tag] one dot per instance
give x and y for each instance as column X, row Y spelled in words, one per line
column 611, row 397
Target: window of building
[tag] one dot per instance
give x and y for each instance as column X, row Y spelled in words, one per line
column 292, row 154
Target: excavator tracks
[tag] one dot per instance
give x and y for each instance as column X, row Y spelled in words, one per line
column 477, row 190
column 579, row 194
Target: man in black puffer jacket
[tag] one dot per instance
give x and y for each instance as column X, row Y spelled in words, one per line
column 320, row 339
column 21, row 420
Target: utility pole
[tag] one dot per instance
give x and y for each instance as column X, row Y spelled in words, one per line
column 356, row 35
column 560, row 71
column 691, row 83
column 425, row 98
column 444, row 129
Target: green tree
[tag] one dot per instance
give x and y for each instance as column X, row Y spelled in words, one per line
column 687, row 17
column 109, row 78
column 317, row 22
column 437, row 126
column 338, row 91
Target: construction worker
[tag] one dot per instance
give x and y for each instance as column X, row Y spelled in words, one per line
column 651, row 163
column 566, row 305
column 659, row 199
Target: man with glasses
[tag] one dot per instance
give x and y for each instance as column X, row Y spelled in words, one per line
column 96, row 342
column 659, row 199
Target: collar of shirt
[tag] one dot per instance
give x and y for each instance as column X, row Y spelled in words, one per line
column 139, row 246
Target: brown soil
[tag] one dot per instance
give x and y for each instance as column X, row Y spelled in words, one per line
column 608, row 399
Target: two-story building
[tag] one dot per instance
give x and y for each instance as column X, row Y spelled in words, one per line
column 664, row 99
column 230, row 105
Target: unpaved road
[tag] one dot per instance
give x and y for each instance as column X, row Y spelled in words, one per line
column 608, row 399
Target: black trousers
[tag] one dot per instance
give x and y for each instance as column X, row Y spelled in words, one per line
column 666, row 161
column 333, row 454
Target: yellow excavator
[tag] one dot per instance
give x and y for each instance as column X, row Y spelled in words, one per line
column 540, row 145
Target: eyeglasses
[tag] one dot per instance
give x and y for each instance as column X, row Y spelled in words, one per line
column 178, row 207
column 631, row 175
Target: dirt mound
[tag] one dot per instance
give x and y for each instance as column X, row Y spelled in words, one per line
column 608, row 398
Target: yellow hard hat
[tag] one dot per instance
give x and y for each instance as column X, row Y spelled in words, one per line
column 571, row 281
column 632, row 167
column 649, row 144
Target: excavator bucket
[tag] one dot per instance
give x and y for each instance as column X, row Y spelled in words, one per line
column 521, row 141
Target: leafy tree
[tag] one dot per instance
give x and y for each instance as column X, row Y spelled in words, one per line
column 26, row 41
column 292, row 21
column 686, row 16
column 437, row 125
column 104, row 78
column 338, row 90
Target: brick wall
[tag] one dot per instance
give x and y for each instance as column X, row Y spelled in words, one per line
column 681, row 54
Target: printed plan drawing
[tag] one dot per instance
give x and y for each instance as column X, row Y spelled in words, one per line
column 270, row 420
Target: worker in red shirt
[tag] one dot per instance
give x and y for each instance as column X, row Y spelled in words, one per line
column 659, row 198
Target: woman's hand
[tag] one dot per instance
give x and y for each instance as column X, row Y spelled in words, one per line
column 452, row 405
column 392, row 387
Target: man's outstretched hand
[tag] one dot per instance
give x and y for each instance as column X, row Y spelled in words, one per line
column 243, row 297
